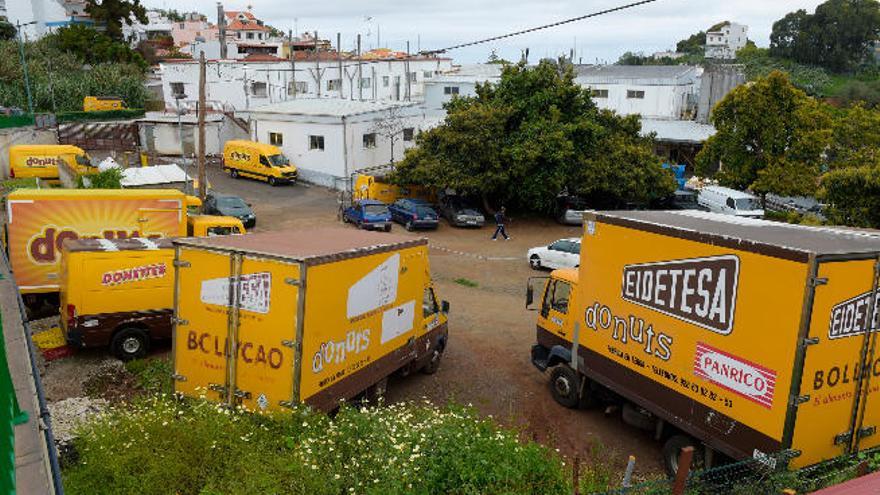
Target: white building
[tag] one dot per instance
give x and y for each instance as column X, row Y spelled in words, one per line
column 461, row 81
column 652, row 91
column 157, row 26
column 264, row 79
column 726, row 41
column 328, row 139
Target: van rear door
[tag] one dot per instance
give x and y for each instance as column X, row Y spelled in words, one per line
column 833, row 389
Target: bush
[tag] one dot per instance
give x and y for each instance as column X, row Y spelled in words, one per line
column 107, row 179
column 853, row 196
column 161, row 445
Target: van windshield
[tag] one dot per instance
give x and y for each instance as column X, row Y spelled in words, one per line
column 747, row 204
column 278, row 160
column 83, row 160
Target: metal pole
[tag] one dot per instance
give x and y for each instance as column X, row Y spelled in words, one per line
column 292, row 62
column 203, row 181
column 318, row 65
column 339, row 61
column 360, row 75
column 180, row 129
column 406, row 68
column 27, row 82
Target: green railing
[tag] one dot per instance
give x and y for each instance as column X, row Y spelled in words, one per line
column 11, row 121
column 10, row 415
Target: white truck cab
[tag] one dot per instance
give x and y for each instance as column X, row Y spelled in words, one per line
column 730, row 202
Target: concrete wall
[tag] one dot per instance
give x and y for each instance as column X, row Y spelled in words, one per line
column 163, row 138
column 716, row 82
column 660, row 102
column 21, row 135
column 435, row 92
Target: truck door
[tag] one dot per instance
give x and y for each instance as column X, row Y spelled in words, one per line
column 839, row 366
column 555, row 307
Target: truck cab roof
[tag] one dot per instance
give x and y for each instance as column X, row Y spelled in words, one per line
column 567, row 274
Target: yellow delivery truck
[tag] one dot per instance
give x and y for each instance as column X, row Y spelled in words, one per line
column 372, row 184
column 257, row 161
column 42, row 160
column 275, row 319
column 103, row 103
column 742, row 338
column 117, row 293
column 38, row 221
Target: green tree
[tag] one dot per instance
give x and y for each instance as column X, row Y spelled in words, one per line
column 533, row 134
column 839, row 35
column 695, row 44
column 856, row 138
column 770, row 137
column 94, row 47
column 7, row 30
column 112, row 13
column 853, row 196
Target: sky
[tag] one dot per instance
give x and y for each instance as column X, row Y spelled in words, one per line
column 432, row 24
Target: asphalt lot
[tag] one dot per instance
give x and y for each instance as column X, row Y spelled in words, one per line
column 487, row 360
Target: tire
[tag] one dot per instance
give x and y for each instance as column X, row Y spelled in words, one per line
column 388, row 228
column 273, row 182
column 672, row 450
column 535, row 262
column 409, row 226
column 564, row 383
column 130, row 343
column 233, row 173
column 434, row 364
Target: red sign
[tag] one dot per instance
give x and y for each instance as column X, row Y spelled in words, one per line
column 754, row 382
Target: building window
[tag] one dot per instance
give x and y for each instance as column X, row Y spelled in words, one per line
column 408, row 134
column 182, row 26
column 177, row 89
column 386, row 80
column 301, row 87
column 238, row 34
column 258, row 89
column 276, row 139
column 426, row 74
column 370, row 140
column 600, row 93
column 250, row 36
column 316, row 143
column 637, row 95
column 366, row 83
column 259, row 36
column 450, row 90
column 413, row 77
column 334, row 84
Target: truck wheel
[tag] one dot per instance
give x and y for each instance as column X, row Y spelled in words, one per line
column 434, row 364
column 564, row 386
column 535, row 262
column 273, row 182
column 672, row 451
column 388, row 228
column 233, row 173
column 130, row 343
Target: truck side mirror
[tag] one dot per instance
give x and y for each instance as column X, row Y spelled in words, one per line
column 444, row 307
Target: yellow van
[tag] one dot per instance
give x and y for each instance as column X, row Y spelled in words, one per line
column 257, row 161
column 376, row 187
column 42, row 160
column 102, row 103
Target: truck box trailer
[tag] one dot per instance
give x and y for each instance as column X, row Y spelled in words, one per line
column 270, row 320
column 117, row 293
column 38, row 221
column 743, row 337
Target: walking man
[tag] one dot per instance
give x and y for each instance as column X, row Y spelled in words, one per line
column 499, row 221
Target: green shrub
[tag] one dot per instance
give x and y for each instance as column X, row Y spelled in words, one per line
column 107, row 179
column 466, row 282
column 162, row 445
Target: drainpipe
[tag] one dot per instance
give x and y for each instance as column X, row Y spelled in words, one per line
column 344, row 147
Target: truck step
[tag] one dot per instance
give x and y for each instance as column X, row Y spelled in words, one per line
column 540, row 357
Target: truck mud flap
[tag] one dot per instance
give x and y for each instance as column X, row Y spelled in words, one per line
column 540, row 357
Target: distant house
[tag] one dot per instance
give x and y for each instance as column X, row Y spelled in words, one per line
column 461, row 81
column 652, row 91
column 194, row 28
column 328, row 139
column 724, row 42
column 244, row 26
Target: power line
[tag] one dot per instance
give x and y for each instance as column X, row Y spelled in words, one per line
column 532, row 30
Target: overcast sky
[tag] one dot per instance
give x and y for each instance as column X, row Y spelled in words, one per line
column 434, row 23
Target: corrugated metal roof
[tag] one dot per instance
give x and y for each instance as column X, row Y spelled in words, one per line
column 330, row 107
column 642, row 74
column 678, row 131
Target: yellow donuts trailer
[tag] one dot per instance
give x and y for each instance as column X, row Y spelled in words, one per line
column 742, row 338
column 271, row 320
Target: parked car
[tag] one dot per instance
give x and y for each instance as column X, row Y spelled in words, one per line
column 681, row 199
column 414, row 214
column 730, row 202
column 564, row 253
column 368, row 214
column 461, row 213
column 230, row 206
column 569, row 209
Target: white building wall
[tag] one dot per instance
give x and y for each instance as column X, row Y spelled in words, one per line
column 659, row 102
column 435, row 95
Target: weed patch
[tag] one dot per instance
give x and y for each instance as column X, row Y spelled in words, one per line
column 466, row 282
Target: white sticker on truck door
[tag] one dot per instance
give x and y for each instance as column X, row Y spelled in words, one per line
column 254, row 292
column 398, row 321
column 376, row 289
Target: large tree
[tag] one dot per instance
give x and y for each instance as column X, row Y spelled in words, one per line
column 112, row 13
column 535, row 133
column 838, row 36
column 770, row 137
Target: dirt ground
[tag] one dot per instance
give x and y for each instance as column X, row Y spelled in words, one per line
column 490, row 331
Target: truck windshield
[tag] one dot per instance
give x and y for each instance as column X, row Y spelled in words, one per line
column 278, row 160
column 747, row 204
column 375, row 209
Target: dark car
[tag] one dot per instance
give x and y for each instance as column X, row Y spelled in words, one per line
column 461, row 213
column 230, row 206
column 681, row 199
column 368, row 214
column 414, row 214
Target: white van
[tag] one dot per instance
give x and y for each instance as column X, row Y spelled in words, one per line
column 730, row 202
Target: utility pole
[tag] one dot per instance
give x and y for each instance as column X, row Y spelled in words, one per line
column 27, row 82
column 406, row 68
column 221, row 29
column 203, row 181
column 292, row 62
column 339, row 61
column 318, row 64
column 360, row 74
